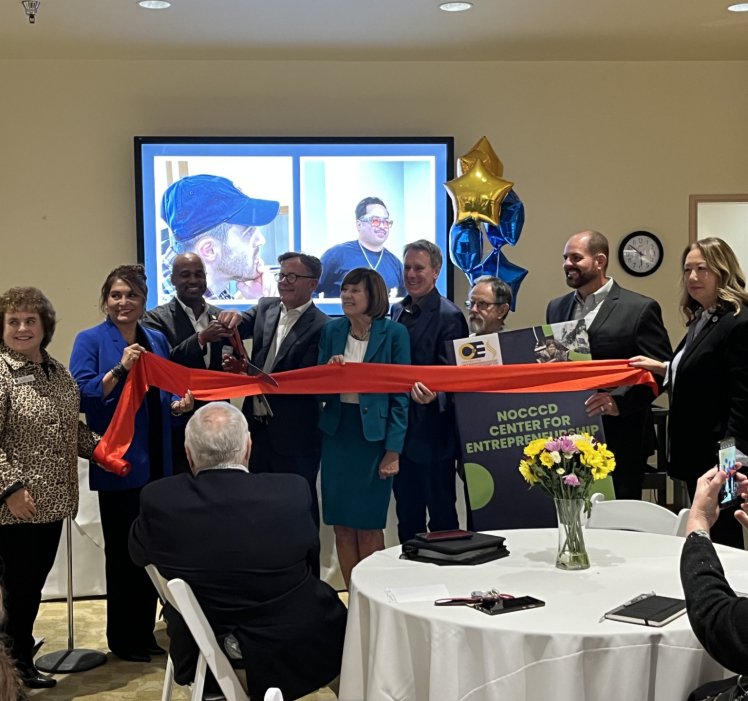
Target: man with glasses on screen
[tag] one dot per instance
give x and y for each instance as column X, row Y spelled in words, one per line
column 285, row 333
column 373, row 224
column 488, row 305
column 208, row 215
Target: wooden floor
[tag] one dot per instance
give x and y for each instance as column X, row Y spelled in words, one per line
column 116, row 680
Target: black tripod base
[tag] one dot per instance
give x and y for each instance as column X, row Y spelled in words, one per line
column 66, row 661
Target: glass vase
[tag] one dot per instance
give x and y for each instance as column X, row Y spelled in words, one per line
column 572, row 555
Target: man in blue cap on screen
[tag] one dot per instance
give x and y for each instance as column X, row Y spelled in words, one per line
column 208, row 215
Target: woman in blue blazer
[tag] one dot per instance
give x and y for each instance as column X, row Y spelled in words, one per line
column 100, row 361
column 363, row 434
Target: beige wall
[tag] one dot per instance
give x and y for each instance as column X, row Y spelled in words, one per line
column 614, row 146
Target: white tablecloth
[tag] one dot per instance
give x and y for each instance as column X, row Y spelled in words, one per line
column 414, row 651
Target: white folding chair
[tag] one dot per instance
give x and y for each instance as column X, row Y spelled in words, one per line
column 159, row 584
column 680, row 528
column 212, row 657
column 178, row 593
column 635, row 515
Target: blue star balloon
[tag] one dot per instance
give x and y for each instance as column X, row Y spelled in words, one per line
column 466, row 244
column 498, row 265
column 511, row 221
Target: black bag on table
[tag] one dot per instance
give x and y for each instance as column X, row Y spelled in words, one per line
column 466, row 551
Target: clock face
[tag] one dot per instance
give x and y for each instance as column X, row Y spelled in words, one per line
column 640, row 253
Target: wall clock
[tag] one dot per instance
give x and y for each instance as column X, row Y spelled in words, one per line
column 640, row 253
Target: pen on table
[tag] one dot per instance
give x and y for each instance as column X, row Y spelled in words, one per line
column 641, row 597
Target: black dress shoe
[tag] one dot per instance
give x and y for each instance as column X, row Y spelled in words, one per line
column 155, row 650
column 132, row 655
column 34, row 679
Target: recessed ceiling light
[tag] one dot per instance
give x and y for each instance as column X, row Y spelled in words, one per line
column 455, row 6
column 740, row 7
column 154, row 4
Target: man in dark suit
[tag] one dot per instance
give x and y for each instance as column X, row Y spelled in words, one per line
column 285, row 333
column 620, row 324
column 244, row 543
column 426, row 480
column 193, row 331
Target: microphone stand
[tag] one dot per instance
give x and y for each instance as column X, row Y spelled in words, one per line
column 70, row 659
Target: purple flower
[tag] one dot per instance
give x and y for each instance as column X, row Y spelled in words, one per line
column 562, row 444
column 567, row 445
column 571, row 480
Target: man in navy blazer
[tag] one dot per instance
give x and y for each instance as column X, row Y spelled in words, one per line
column 620, row 325
column 285, row 334
column 426, row 481
column 193, row 331
column 246, row 544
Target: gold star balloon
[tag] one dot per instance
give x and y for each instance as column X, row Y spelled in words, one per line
column 478, row 194
column 482, row 152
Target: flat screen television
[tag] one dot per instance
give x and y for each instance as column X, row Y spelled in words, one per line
column 304, row 194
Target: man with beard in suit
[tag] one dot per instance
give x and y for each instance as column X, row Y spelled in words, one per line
column 620, row 324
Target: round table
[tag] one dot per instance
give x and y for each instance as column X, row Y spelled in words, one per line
column 561, row 651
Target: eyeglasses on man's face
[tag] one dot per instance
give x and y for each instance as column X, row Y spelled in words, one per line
column 480, row 304
column 378, row 222
column 290, row 278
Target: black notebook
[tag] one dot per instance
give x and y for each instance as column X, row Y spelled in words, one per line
column 649, row 610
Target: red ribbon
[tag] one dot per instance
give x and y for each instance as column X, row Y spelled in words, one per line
column 154, row 371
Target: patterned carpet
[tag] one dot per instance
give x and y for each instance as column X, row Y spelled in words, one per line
column 116, row 680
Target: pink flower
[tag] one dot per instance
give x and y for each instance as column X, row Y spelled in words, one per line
column 562, row 444
column 567, row 445
column 571, row 480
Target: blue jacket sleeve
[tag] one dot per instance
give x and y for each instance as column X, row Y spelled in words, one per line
column 397, row 421
column 87, row 368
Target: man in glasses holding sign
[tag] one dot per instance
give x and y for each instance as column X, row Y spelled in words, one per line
column 373, row 224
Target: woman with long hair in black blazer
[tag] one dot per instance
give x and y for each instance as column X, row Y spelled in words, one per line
column 708, row 377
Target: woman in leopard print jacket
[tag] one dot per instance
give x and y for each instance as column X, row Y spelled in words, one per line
column 41, row 438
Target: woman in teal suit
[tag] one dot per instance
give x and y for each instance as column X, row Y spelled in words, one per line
column 362, row 434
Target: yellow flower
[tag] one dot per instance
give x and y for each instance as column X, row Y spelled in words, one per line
column 533, row 448
column 546, row 459
column 602, row 468
column 526, row 471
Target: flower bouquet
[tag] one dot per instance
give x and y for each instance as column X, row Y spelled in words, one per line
column 566, row 468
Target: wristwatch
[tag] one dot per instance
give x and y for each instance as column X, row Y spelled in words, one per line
column 701, row 533
column 119, row 371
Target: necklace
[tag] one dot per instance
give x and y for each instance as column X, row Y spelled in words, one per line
column 360, row 337
column 366, row 258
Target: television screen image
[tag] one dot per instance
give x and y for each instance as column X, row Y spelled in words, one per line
column 241, row 202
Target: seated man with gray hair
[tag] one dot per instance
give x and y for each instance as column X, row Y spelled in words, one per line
column 244, row 543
